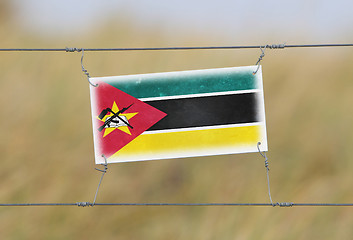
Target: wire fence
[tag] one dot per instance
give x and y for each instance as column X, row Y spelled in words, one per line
column 89, row 204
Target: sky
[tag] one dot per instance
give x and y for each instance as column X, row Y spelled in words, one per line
column 317, row 21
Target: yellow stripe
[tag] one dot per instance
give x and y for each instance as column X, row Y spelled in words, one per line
column 173, row 144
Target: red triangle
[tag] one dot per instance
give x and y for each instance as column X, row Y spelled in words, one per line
column 103, row 97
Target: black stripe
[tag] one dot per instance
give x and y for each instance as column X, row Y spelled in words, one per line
column 206, row 111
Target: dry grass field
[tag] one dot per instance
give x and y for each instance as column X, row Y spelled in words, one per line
column 46, row 146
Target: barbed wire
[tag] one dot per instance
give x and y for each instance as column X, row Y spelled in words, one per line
column 271, row 46
column 89, row 204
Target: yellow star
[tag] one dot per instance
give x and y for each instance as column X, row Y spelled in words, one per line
column 125, row 129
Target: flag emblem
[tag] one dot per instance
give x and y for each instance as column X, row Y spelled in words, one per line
column 201, row 113
column 116, row 119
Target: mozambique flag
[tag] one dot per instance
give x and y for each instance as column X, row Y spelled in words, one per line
column 178, row 114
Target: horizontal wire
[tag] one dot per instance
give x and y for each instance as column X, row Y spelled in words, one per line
column 184, row 204
column 86, row 204
column 35, row 204
column 272, row 46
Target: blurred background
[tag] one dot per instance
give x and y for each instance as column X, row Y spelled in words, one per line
column 46, row 142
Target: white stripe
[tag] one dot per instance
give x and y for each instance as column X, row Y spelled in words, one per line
column 200, row 95
column 204, row 128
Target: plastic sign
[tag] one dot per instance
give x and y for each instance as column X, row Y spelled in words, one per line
column 178, row 114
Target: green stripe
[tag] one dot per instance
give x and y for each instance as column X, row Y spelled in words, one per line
column 187, row 82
